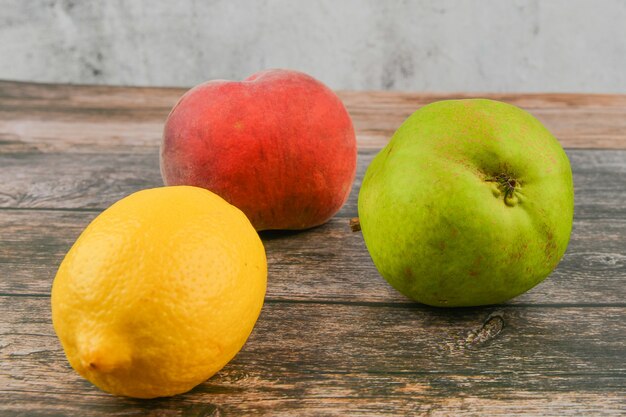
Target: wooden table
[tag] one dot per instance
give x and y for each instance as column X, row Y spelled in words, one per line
column 333, row 337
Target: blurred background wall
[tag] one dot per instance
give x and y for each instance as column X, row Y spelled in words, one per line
column 420, row 45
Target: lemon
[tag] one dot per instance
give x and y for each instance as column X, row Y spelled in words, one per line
column 159, row 292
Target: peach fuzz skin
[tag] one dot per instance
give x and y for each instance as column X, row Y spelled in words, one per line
column 279, row 145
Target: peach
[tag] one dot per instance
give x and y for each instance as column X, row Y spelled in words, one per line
column 279, row 145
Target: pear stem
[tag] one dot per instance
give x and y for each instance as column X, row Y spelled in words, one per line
column 355, row 224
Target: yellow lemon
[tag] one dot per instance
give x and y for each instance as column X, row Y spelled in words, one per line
column 159, row 292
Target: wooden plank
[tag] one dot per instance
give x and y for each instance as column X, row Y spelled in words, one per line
column 314, row 359
column 52, row 117
column 65, row 180
column 41, row 95
column 577, row 121
column 95, row 181
column 74, row 119
column 329, row 263
column 324, row 395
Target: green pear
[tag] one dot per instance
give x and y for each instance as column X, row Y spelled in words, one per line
column 470, row 203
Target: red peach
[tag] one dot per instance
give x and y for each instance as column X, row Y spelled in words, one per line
column 279, row 145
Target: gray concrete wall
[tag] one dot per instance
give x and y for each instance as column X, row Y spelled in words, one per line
column 444, row 45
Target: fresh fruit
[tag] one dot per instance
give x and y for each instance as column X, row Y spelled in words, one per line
column 159, row 292
column 279, row 145
column 470, row 203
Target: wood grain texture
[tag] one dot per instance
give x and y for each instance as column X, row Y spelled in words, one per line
column 333, row 337
column 78, row 119
column 97, row 180
column 374, row 360
column 328, row 263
